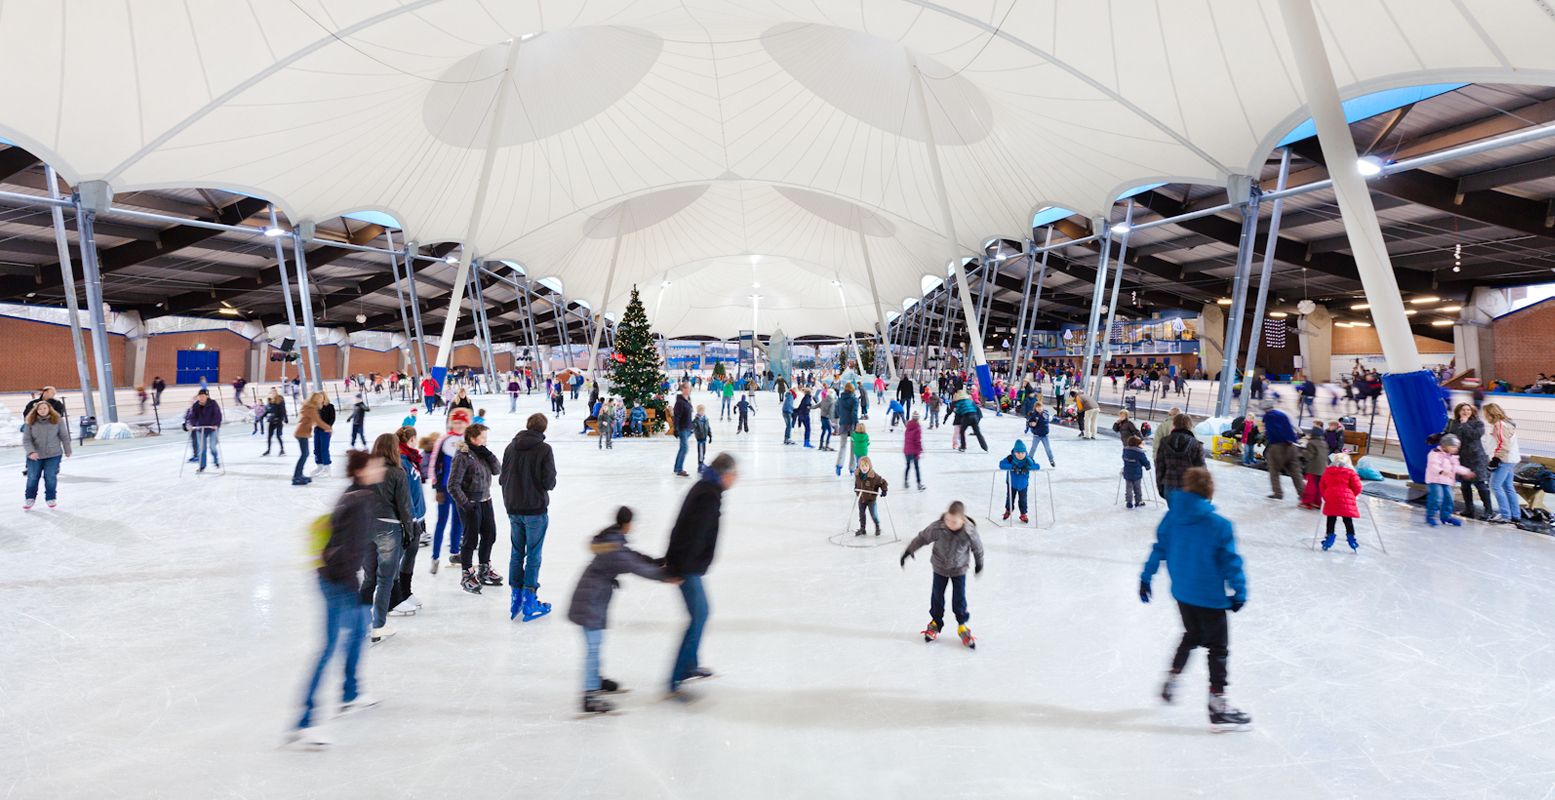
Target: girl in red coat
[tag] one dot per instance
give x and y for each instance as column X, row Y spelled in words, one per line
column 1340, row 487
column 912, row 448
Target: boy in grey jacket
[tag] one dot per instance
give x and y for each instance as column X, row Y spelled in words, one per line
column 956, row 545
column 591, row 601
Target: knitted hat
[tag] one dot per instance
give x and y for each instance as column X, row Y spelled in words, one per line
column 1020, row 446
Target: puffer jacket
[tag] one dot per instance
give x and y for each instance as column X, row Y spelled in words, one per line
column 912, row 439
column 591, row 599
column 1180, row 452
column 1339, row 487
column 469, row 476
column 47, row 439
column 1442, row 467
column 1316, row 454
column 847, row 411
column 1019, row 469
column 1038, row 422
column 954, row 551
column 864, row 485
column 394, row 491
column 275, row 413
column 1199, row 548
column 1135, row 462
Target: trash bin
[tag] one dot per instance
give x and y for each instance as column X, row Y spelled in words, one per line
column 87, row 426
column 1131, row 404
column 1348, row 423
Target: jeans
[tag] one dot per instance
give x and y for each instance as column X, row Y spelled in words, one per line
column 1206, row 628
column 480, row 532
column 206, row 445
column 512, row 402
column 344, row 616
column 825, row 430
column 321, row 447
column 957, row 599
column 1046, row 448
column 302, row 458
column 804, row 422
column 591, row 641
column 912, row 467
column 527, row 532
column 1438, row 502
column 46, row 468
column 431, row 401
column 381, row 567
column 726, row 407
column 680, row 455
column 1506, row 496
column 701, row 453
column 1248, row 451
column 446, row 512
column 874, row 513
column 696, row 605
column 606, row 430
column 788, row 426
column 357, row 432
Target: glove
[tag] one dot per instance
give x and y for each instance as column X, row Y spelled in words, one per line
column 1236, row 605
column 1495, row 463
column 1144, row 592
column 906, row 556
column 978, row 570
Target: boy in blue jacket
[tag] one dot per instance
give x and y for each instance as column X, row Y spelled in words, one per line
column 1019, row 480
column 1135, row 462
column 639, row 416
column 1199, row 548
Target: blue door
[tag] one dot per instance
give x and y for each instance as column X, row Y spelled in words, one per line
column 196, row 364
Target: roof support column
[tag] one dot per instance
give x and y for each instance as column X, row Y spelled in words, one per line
column 948, row 225
column 1117, row 286
column 300, row 255
column 1413, row 395
column 885, row 329
column 1239, row 187
column 399, row 298
column 1263, row 279
column 1097, row 293
column 90, row 198
column 415, row 307
column 610, row 277
column 1022, row 326
column 67, row 274
column 505, row 89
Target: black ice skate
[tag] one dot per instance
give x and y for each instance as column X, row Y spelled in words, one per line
column 1169, row 687
column 593, row 703
column 469, row 582
column 1224, row 718
column 488, row 576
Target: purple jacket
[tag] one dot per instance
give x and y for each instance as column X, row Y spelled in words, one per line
column 203, row 416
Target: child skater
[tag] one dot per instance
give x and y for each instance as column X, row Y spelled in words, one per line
column 868, row 487
column 1441, row 473
column 1315, row 451
column 1340, row 487
column 639, row 416
column 1038, row 423
column 359, row 411
column 703, row 430
column 896, row 410
column 591, row 601
column 605, row 425
column 912, row 449
column 858, row 444
column 1135, row 461
column 1018, row 481
column 1199, row 548
column 745, row 409
column 955, row 543
column 1125, row 428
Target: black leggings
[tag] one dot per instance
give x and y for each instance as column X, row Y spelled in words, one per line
column 480, row 530
column 1349, row 524
column 274, row 432
column 1206, row 628
column 1468, row 495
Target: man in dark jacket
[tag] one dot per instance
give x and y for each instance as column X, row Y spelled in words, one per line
column 904, row 395
column 1280, row 452
column 692, row 543
column 527, row 477
column 1180, row 452
column 682, row 419
column 204, row 421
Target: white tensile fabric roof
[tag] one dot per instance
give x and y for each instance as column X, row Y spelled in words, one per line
column 706, row 129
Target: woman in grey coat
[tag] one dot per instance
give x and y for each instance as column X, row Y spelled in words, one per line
column 46, row 441
column 591, row 601
column 469, row 486
column 1470, row 430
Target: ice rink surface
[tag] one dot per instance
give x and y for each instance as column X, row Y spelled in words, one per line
column 158, row 628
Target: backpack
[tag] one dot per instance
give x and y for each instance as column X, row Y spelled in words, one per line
column 319, row 531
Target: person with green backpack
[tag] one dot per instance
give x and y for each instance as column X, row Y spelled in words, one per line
column 342, row 540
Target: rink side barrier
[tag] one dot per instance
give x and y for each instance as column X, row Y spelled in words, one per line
column 1418, row 411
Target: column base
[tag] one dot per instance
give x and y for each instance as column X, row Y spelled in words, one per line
column 985, row 381
column 1415, row 400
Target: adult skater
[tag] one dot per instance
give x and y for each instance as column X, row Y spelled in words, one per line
column 322, row 435
column 1199, row 548
column 158, row 386
column 681, row 416
column 359, row 411
column 802, row 414
column 308, row 421
column 956, row 546
column 429, row 392
column 904, row 395
column 1466, row 425
column 527, row 478
column 693, row 541
column 348, row 540
column 403, row 601
column 827, row 410
column 442, row 456
column 513, row 390
column 469, row 485
column 847, row 420
column 968, row 415
column 1279, row 452
column 46, row 441
column 389, row 532
column 204, row 421
column 1505, row 454
column 1180, row 452
column 275, row 418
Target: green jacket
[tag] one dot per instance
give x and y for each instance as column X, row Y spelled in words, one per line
column 860, row 444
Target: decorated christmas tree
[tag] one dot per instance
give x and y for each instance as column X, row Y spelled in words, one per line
column 718, row 370
column 635, row 374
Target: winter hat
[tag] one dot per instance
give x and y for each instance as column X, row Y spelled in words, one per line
column 1020, row 446
column 1448, row 440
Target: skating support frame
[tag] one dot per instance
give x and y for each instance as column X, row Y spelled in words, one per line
column 1150, row 493
column 1322, row 526
column 996, row 508
column 845, row 537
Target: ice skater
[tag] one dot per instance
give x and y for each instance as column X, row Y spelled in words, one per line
column 1442, row 471
column 1039, row 425
column 858, row 446
column 743, row 409
column 1135, row 461
column 1199, row 548
column 1314, row 462
column 591, row 601
column 359, row 411
column 912, row 450
column 868, row 487
column 956, row 544
column 1340, row 489
column 1017, row 482
column 693, row 541
column 702, row 430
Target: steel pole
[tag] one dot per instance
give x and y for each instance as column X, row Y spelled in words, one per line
column 1097, row 293
column 286, row 295
column 94, row 304
column 1117, row 287
column 1273, row 238
column 300, row 255
column 68, row 280
column 399, row 298
column 1244, row 268
column 874, row 289
column 610, row 277
column 415, row 309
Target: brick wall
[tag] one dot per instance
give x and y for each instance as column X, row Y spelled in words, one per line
column 162, row 354
column 366, row 362
column 1524, row 344
column 504, row 362
column 329, row 363
column 40, row 354
column 1363, row 341
column 466, row 355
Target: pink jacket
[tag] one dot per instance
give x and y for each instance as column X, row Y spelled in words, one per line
column 912, row 439
column 1442, row 467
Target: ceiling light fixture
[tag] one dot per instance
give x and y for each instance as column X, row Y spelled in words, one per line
column 664, row 285
column 1369, row 166
column 1450, row 309
column 1224, row 301
column 1359, row 306
column 1359, row 324
column 1278, row 314
column 1442, row 323
column 1425, row 301
column 1409, row 312
column 229, row 311
column 1120, row 228
column 451, row 260
column 274, row 232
